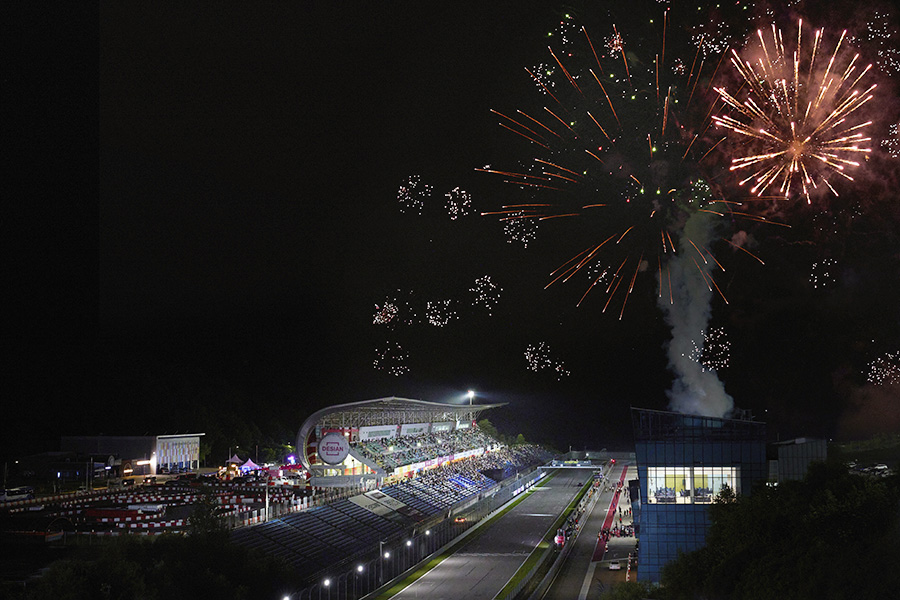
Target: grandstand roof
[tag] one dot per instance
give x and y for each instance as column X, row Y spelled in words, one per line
column 386, row 411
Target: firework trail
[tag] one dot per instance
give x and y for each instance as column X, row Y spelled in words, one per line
column 624, row 155
column 619, row 147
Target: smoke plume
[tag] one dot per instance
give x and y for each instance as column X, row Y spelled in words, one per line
column 695, row 390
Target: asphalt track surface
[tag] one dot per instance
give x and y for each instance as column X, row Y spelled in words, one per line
column 481, row 567
column 587, row 562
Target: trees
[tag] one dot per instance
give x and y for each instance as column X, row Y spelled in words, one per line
column 631, row 590
column 487, row 427
column 169, row 566
column 832, row 535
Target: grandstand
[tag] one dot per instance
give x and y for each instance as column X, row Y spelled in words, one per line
column 387, row 439
column 402, row 463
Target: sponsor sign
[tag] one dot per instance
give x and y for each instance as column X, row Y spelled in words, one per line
column 396, row 505
column 333, row 449
column 440, row 427
column 468, row 453
column 414, row 428
column 371, row 505
column 377, row 432
column 463, row 425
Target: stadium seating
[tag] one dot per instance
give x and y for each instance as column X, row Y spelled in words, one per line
column 311, row 539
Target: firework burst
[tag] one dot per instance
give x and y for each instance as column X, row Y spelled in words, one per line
column 391, row 358
column 798, row 117
column 412, row 194
column 619, row 146
column 885, row 370
column 486, row 294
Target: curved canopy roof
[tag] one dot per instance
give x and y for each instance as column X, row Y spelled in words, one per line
column 384, row 411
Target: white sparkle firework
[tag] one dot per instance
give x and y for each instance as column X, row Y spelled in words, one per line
column 439, row 313
column 822, row 274
column 391, row 359
column 714, row 354
column 599, row 274
column 395, row 310
column 487, row 293
column 882, row 34
column 385, row 313
column 885, row 370
column 891, row 144
column 539, row 358
column 615, row 45
column 711, row 38
column 520, row 228
column 412, row 194
column 459, row 203
column 542, row 76
column 565, row 31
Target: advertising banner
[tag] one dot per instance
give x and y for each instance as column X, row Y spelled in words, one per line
column 441, row 427
column 396, row 505
column 333, row 449
column 377, row 432
column 371, row 505
column 414, row 428
column 468, row 453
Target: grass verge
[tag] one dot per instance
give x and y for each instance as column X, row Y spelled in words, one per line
column 544, row 544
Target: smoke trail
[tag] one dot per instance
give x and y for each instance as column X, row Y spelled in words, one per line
column 695, row 390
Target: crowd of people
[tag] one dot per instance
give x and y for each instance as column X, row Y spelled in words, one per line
column 473, row 467
column 391, row 453
column 450, row 482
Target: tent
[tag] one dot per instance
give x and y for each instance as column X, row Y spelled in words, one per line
column 249, row 466
column 234, row 460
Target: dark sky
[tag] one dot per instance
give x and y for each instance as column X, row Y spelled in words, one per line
column 248, row 225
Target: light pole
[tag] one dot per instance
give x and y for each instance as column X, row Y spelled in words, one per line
column 471, row 395
column 381, row 556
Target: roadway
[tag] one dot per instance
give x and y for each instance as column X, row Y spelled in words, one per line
column 586, row 568
column 482, row 566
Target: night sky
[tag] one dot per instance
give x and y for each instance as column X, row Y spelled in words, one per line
column 248, row 225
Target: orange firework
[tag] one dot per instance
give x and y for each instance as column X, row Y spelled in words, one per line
column 622, row 152
column 799, row 114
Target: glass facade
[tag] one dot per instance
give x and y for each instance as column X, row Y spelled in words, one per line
column 683, row 462
column 178, row 452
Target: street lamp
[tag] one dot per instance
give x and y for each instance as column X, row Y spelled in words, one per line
column 471, row 395
column 359, row 569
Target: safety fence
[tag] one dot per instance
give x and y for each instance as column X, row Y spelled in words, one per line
column 394, row 557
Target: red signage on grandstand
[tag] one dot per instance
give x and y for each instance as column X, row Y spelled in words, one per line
column 333, row 449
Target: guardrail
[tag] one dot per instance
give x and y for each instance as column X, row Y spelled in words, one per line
column 362, row 574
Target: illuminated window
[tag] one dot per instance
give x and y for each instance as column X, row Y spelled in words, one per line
column 686, row 485
column 708, row 482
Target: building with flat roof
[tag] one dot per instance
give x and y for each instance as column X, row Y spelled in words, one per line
column 140, row 454
column 795, row 456
column 683, row 461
